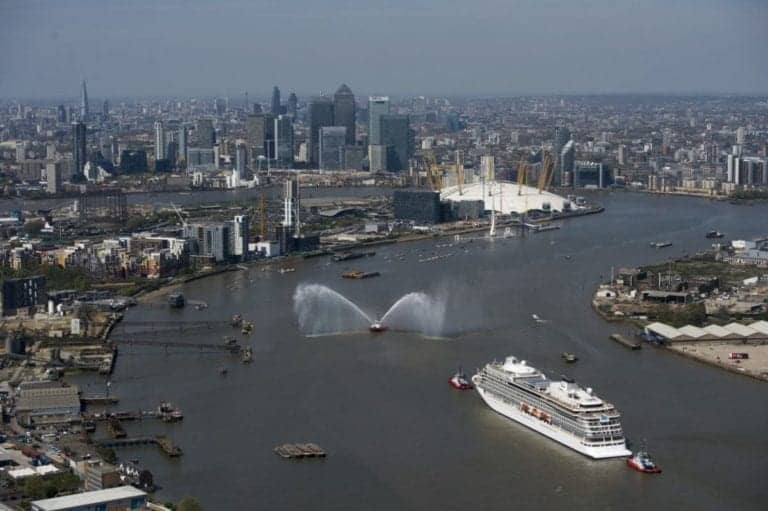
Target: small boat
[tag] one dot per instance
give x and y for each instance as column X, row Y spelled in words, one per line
column 360, row 274
column 176, row 300
column 248, row 355
column 642, row 462
column 459, row 381
column 377, row 327
column 714, row 234
column 569, row 358
column 568, row 258
column 287, row 270
column 223, row 371
column 237, row 320
column 661, row 244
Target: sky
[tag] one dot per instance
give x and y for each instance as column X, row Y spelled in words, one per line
column 141, row 48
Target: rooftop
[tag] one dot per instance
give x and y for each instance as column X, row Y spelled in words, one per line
column 88, row 499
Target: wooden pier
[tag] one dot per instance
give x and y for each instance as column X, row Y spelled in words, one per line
column 626, row 342
column 298, row 451
column 165, row 444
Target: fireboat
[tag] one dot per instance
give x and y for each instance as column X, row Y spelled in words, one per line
column 377, row 327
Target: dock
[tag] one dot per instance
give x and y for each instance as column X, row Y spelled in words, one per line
column 298, row 451
column 99, row 400
column 626, row 342
column 165, row 444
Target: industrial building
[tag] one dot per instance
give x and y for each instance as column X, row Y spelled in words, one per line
column 754, row 333
column 122, row 498
column 20, row 293
column 46, row 402
column 417, row 205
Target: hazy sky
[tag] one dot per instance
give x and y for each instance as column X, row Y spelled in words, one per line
column 225, row 47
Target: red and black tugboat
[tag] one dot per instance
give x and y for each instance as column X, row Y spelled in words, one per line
column 460, row 381
column 642, row 462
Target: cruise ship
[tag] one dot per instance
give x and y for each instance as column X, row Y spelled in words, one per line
column 560, row 410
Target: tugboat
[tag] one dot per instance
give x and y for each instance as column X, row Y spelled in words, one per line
column 459, row 381
column 377, row 327
column 642, row 462
column 714, row 235
column 569, row 358
column 176, row 300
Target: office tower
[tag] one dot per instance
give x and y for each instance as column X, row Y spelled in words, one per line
column 50, row 152
column 53, row 177
column 181, row 140
column 395, row 136
column 84, row 111
column 622, row 156
column 171, row 150
column 105, row 109
column 240, row 236
column 78, row 148
column 284, row 141
column 332, row 141
column 21, row 150
column 220, row 106
column 241, row 155
column 275, row 100
column 61, row 114
column 205, row 134
column 260, row 135
column 567, row 159
column 377, row 158
column 293, row 104
column 561, row 137
column 159, row 141
column 741, row 135
column 377, row 106
column 344, row 111
column 320, row 115
column 201, row 157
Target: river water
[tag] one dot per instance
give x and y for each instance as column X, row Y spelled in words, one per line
column 397, row 436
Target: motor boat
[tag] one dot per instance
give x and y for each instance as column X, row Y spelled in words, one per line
column 377, row 327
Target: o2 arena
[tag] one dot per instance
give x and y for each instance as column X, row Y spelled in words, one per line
column 507, row 198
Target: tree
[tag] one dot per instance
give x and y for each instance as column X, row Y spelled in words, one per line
column 189, row 504
column 33, row 227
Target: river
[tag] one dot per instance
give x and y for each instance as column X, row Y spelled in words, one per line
column 397, row 436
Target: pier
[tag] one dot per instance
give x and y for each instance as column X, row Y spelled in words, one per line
column 626, row 342
column 225, row 347
column 165, row 444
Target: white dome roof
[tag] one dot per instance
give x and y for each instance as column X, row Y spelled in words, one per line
column 506, row 197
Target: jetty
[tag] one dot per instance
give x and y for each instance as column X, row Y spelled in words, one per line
column 298, row 451
column 626, row 342
column 165, row 444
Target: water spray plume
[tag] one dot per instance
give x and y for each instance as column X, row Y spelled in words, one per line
column 322, row 311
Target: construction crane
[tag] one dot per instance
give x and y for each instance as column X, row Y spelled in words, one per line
column 433, row 172
column 459, row 171
column 545, row 176
column 178, row 213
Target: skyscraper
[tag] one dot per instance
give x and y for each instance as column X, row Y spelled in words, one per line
column 284, row 141
column 260, row 135
column 84, row 111
column 377, row 106
column 395, row 136
column 159, row 141
column 320, row 115
column 105, row 109
column 567, row 161
column 181, row 140
column 344, row 111
column 78, row 148
column 332, row 141
column 275, row 100
column 293, row 104
column 205, row 134
column 562, row 136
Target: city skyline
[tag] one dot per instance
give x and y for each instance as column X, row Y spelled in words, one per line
column 434, row 48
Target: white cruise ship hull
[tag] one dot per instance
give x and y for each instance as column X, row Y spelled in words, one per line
column 557, row 434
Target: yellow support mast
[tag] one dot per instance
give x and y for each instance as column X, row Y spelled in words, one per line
column 433, row 172
column 521, row 174
column 545, row 176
